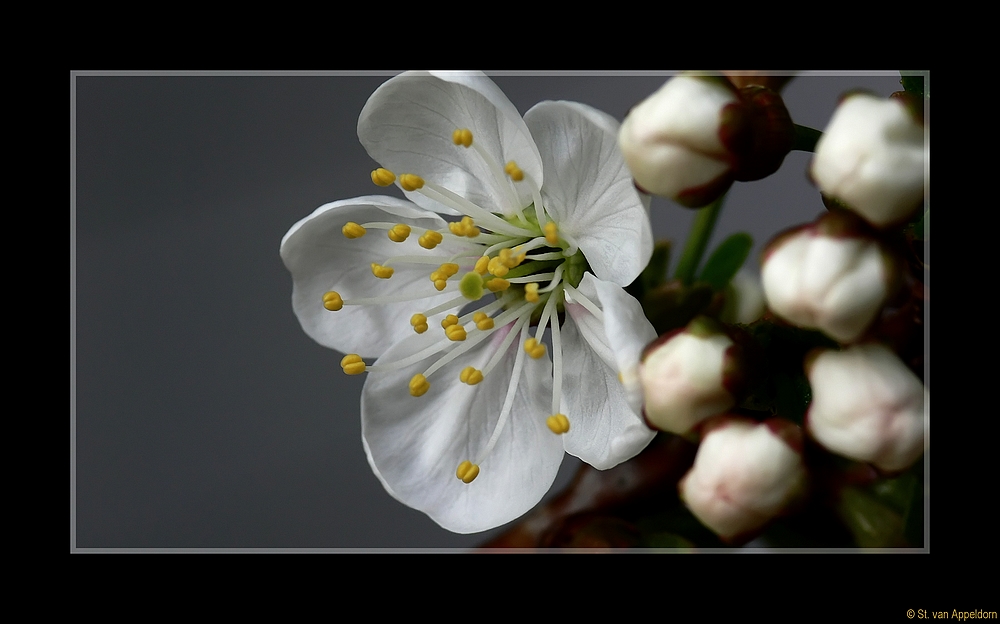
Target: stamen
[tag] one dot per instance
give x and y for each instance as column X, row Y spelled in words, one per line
column 498, row 174
column 332, row 301
column 573, row 245
column 556, row 278
column 556, row 363
column 353, row 230
column 505, row 344
column 462, row 136
column 531, row 278
column 497, row 267
column 513, row 171
column 430, row 239
column 467, row 471
column 411, row 182
column 508, row 401
column 455, row 333
column 552, row 233
column 470, row 375
column 486, row 218
column 550, row 255
column 482, row 265
column 448, row 321
column 497, row 284
column 383, row 177
column 558, row 423
column 543, row 320
column 419, row 385
column 399, row 232
column 531, row 292
column 395, row 299
column 352, row 364
column 466, row 227
column 382, row 272
column 501, row 321
column 534, row 348
column 419, row 322
column 578, row 297
column 483, row 322
column 445, row 306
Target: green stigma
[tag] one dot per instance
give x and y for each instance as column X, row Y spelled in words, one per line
column 471, row 286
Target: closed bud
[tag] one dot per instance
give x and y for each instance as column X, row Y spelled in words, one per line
column 688, row 376
column 871, row 157
column 830, row 275
column 673, row 140
column 866, row 405
column 744, row 475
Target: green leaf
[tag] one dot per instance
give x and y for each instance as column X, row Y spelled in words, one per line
column 727, row 259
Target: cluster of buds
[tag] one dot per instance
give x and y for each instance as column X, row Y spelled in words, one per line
column 697, row 134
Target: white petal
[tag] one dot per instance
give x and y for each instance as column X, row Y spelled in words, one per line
column 407, row 126
column 589, row 190
column 605, row 426
column 321, row 259
column 415, row 444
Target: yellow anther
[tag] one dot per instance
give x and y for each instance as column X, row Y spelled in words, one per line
column 514, row 171
column 353, row 230
column 465, row 227
column 482, row 265
column 497, row 284
column 467, row 471
column 383, row 177
column 438, row 275
column 455, row 333
column 483, row 321
column 440, row 284
column 462, row 136
column 353, row 364
column 399, row 232
column 558, row 423
column 332, row 301
column 419, row 385
column 497, row 267
column 471, row 375
column 382, row 272
column 430, row 239
column 410, row 182
column 621, row 378
column 419, row 322
column 510, row 259
column 531, row 292
column 534, row 348
column 449, row 320
column 449, row 268
column 551, row 233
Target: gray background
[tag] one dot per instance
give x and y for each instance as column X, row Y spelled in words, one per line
column 204, row 416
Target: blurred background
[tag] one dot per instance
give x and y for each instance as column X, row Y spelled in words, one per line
column 202, row 416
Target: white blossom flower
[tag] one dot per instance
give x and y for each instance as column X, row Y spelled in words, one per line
column 867, row 405
column 744, row 475
column 820, row 277
column 871, row 157
column 464, row 415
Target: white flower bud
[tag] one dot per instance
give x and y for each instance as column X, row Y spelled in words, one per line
column 744, row 299
column 671, row 140
column 683, row 380
column 828, row 280
column 871, row 157
column 745, row 474
column 867, row 405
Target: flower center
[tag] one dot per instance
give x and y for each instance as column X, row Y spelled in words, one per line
column 523, row 259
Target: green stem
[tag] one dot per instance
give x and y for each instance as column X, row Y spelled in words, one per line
column 806, row 138
column 694, row 248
